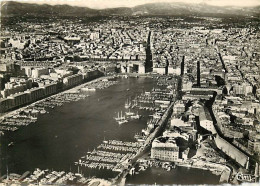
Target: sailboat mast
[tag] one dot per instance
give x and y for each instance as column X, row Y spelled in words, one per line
column 7, row 172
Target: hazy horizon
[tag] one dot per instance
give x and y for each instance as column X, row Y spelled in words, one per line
column 101, row 4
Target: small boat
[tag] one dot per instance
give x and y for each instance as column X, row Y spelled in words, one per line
column 105, row 141
column 122, row 121
column 129, row 113
column 43, row 111
column 122, row 117
column 11, row 144
column 137, row 116
column 88, row 89
column 34, row 111
column 118, row 117
column 127, row 104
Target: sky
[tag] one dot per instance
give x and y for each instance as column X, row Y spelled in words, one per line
column 100, row 4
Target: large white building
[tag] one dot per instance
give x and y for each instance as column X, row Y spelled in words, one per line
column 206, row 120
column 165, row 148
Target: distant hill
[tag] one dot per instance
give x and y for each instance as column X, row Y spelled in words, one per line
column 182, row 8
column 12, row 8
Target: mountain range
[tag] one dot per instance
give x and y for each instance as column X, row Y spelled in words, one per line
column 11, row 8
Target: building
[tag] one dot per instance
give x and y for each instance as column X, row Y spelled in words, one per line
column 72, row 80
column 16, row 85
column 232, row 131
column 72, row 39
column 12, row 90
column 242, row 89
column 94, row 35
column 254, row 145
column 35, row 94
column 231, row 151
column 206, row 120
column 178, row 123
column 19, row 99
column 165, row 148
column 174, row 70
column 159, row 69
column 50, row 89
column 186, row 85
column 37, row 72
column 5, row 104
column 30, row 95
column 178, row 108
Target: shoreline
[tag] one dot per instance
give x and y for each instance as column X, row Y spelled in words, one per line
column 71, row 90
column 224, row 172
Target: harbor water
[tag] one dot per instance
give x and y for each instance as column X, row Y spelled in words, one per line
column 66, row 133
column 179, row 175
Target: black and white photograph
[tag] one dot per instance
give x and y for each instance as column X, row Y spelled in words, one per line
column 129, row 92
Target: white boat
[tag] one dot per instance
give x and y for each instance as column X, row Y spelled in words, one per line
column 88, row 89
column 129, row 113
column 122, row 121
column 43, row 111
column 33, row 118
column 34, row 111
column 122, row 117
column 134, row 104
column 137, row 116
column 118, row 117
column 127, row 104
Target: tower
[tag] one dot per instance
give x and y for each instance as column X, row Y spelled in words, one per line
column 182, row 65
column 198, row 73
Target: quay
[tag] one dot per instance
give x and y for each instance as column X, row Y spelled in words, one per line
column 216, row 168
column 11, row 121
column 77, row 88
column 71, row 90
